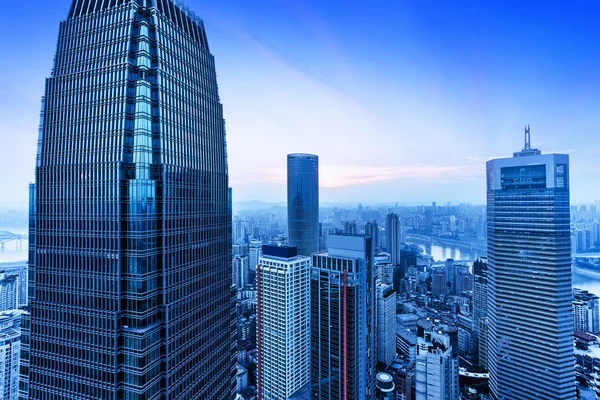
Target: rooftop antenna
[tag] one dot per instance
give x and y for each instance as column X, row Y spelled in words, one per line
column 527, row 138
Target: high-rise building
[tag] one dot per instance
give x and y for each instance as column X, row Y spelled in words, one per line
column 439, row 283
column 303, row 202
column 283, row 322
column 529, row 270
column 350, row 228
column 407, row 259
column 372, row 229
column 393, row 232
column 255, row 251
column 10, row 348
column 585, row 311
column 386, row 323
column 480, row 308
column 343, row 320
column 240, row 271
column 9, row 294
column 130, row 270
column 437, row 360
column 451, row 275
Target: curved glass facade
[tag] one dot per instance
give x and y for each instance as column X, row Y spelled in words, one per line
column 130, row 273
column 303, row 202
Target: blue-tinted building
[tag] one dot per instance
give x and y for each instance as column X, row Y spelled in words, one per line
column 343, row 313
column 303, row 202
column 130, row 272
column 530, row 340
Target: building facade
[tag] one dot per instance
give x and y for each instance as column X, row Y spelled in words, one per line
column 386, row 323
column 283, row 322
column 303, row 202
column 343, row 336
column 393, row 235
column 10, row 351
column 585, row 311
column 130, row 269
column 530, row 344
column 480, row 309
column 437, row 361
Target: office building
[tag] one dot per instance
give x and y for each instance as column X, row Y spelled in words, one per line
column 386, row 323
column 372, row 229
column 343, row 320
column 303, row 202
column 10, row 348
column 283, row 322
column 407, row 259
column 437, row 360
column 530, row 345
column 393, row 233
column 9, row 294
column 240, row 271
column 585, row 311
column 439, row 283
column 480, row 309
column 130, row 269
column 255, row 251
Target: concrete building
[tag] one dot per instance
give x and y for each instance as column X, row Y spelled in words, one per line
column 343, row 319
column 10, row 348
column 386, row 324
column 439, row 283
column 9, row 294
column 437, row 368
column 393, row 232
column 283, row 322
column 585, row 311
column 529, row 268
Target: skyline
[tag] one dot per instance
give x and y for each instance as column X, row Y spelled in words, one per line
column 323, row 78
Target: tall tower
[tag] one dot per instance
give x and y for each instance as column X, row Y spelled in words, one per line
column 130, row 274
column 529, row 277
column 303, row 202
column 343, row 327
column 393, row 237
column 480, row 308
column 283, row 322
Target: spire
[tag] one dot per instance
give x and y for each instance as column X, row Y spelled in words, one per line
column 527, row 150
column 527, row 138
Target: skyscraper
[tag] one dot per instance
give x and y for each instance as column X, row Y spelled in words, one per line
column 283, row 322
column 480, row 308
column 372, row 229
column 343, row 320
column 386, row 323
column 529, row 271
column 130, row 272
column 303, row 202
column 393, row 234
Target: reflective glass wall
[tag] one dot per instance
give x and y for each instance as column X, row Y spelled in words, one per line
column 303, row 202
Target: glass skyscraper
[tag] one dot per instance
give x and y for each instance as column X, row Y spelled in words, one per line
column 130, row 274
column 530, row 340
column 303, row 202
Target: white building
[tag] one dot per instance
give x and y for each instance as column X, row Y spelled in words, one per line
column 9, row 296
column 585, row 311
column 386, row 323
column 283, row 322
column 10, row 349
column 437, row 361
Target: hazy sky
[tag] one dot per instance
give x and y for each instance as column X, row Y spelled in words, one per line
column 402, row 100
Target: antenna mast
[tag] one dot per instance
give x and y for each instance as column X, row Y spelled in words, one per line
column 527, row 138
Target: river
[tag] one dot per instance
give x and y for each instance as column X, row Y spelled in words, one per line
column 582, row 278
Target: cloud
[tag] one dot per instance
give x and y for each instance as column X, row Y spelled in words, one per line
column 335, row 176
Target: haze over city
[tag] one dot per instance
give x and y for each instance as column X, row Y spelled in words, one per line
column 401, row 101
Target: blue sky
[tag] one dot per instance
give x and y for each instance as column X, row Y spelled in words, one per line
column 403, row 101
